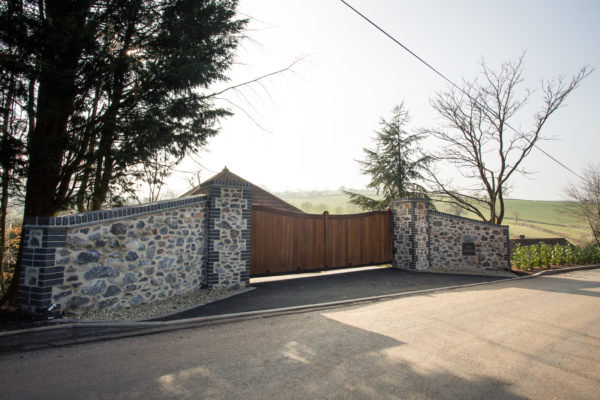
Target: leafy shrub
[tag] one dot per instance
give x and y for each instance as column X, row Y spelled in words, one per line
column 11, row 247
column 544, row 255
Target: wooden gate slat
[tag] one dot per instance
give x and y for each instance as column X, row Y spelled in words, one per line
column 284, row 241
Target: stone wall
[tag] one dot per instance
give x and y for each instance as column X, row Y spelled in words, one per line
column 229, row 231
column 410, row 234
column 426, row 240
column 128, row 262
column 451, row 237
column 132, row 255
column 118, row 258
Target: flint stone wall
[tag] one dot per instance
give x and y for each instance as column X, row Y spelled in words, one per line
column 118, row 258
column 127, row 262
column 425, row 240
column 229, row 230
column 448, row 233
column 410, row 235
column 114, row 258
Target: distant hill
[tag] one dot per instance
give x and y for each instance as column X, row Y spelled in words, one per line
column 534, row 219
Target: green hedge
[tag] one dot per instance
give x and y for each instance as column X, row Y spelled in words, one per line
column 545, row 255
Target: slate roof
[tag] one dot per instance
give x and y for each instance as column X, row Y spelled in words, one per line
column 260, row 196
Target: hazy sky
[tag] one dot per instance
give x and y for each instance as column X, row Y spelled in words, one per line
column 305, row 128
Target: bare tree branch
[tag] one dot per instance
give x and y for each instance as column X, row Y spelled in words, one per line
column 587, row 196
column 477, row 137
column 255, row 80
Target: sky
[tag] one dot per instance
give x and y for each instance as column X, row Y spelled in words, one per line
column 305, row 128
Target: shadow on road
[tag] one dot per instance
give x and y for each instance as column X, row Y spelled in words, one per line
column 297, row 358
column 325, row 359
column 556, row 284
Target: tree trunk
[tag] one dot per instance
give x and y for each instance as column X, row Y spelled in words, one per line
column 102, row 183
column 106, row 162
column 63, row 41
column 83, row 184
column 5, row 165
column 3, row 211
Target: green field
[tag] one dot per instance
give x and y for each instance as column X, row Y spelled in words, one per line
column 315, row 202
column 536, row 219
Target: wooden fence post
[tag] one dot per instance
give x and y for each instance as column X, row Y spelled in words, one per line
column 325, row 233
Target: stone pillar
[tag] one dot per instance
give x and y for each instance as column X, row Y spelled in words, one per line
column 410, row 236
column 229, row 217
column 39, row 272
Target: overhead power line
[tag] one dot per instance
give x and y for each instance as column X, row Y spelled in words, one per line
column 437, row 72
column 412, row 53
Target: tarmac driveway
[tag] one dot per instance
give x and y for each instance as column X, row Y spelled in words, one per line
column 331, row 286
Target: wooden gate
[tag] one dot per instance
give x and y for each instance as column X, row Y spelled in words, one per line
column 286, row 241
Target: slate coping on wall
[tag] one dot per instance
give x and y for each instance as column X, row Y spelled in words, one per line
column 92, row 217
column 458, row 217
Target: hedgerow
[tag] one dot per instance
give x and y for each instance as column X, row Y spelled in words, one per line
column 543, row 255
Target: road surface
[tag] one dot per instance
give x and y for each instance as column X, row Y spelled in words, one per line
column 534, row 338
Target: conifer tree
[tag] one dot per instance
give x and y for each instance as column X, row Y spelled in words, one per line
column 104, row 85
column 395, row 164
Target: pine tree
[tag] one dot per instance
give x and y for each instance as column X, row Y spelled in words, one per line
column 395, row 164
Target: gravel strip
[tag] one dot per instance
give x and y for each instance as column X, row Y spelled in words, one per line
column 159, row 307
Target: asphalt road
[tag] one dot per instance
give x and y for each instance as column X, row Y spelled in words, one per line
column 534, row 338
column 332, row 286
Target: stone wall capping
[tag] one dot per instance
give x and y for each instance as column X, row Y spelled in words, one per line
column 458, row 217
column 410, row 200
column 92, row 217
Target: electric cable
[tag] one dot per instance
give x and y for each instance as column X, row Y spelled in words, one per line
column 437, row 72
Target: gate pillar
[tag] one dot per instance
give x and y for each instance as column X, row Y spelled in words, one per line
column 228, row 265
column 410, row 234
